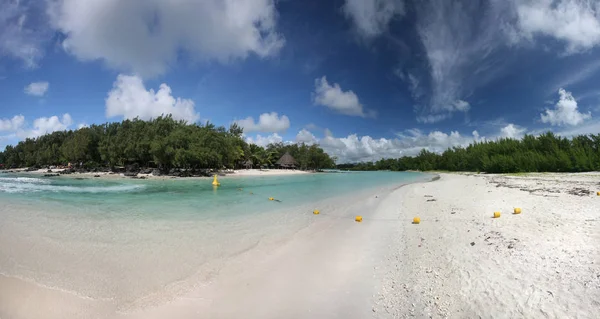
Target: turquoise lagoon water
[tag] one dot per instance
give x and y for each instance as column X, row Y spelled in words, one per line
column 193, row 198
column 124, row 240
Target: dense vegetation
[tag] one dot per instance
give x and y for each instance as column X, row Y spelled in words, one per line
column 544, row 153
column 162, row 142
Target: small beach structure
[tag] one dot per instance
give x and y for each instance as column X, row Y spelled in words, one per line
column 248, row 164
column 286, row 161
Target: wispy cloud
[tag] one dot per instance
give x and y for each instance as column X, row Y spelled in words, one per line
column 459, row 39
column 23, row 31
column 575, row 76
column 371, row 17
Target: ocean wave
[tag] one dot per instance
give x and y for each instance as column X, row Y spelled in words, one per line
column 28, row 180
column 30, row 187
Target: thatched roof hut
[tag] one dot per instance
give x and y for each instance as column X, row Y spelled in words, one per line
column 287, row 161
column 248, row 164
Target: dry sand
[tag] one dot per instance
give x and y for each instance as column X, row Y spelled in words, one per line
column 458, row 263
column 462, row 263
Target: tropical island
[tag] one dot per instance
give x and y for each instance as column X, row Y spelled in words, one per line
column 162, row 146
column 544, row 153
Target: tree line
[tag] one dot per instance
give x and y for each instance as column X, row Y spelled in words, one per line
column 162, row 143
column 544, row 153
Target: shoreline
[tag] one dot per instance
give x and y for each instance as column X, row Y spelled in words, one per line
column 458, row 262
column 276, row 254
column 112, row 175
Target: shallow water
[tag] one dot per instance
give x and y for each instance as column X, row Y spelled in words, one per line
column 124, row 239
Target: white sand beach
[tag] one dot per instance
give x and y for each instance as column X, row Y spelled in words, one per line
column 233, row 173
column 459, row 262
column 269, row 172
column 462, row 263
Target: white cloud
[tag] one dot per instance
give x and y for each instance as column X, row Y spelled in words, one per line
column 575, row 22
column 19, row 38
column 265, row 140
column 462, row 106
column 312, row 127
column 589, row 127
column 82, row 125
column 371, row 17
column 13, row 124
column 129, row 98
column 428, row 119
column 147, row 36
column 565, row 111
column 357, row 149
column 462, row 40
column 306, row 137
column 46, row 125
column 512, row 131
column 459, row 39
column 37, row 88
column 333, row 97
column 19, row 129
column 354, row 148
column 577, row 76
column 267, row 123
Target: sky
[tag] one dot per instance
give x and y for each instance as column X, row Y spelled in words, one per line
column 365, row 79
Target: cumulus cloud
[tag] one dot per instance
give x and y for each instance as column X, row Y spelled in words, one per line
column 354, row 148
column 264, row 140
column 146, row 36
column 130, row 99
column 18, row 128
column 333, row 97
column 37, row 88
column 512, row 131
column 19, row 37
column 13, row 124
column 306, row 137
column 267, row 123
column 372, row 17
column 45, row 125
column 575, row 22
column 357, row 149
column 565, row 111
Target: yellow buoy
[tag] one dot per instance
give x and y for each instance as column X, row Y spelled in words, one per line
column 316, row 212
column 496, row 214
column 216, row 181
column 358, row 219
column 416, row 220
column 598, row 193
column 271, row 198
column 517, row 210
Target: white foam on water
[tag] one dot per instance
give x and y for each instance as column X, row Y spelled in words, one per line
column 28, row 180
column 29, row 185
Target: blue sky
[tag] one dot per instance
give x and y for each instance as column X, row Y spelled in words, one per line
column 365, row 79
